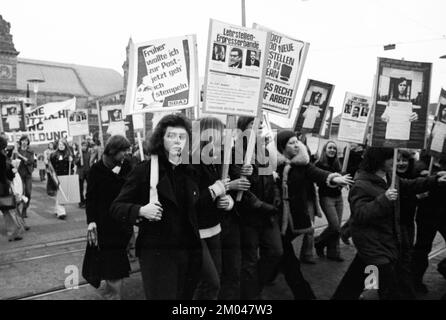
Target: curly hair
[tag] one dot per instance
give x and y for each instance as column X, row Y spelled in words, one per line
column 156, row 141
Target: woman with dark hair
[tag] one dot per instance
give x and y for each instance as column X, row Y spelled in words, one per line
column 168, row 244
column 62, row 162
column 294, row 170
column 105, row 181
column 213, row 204
column 332, row 205
column 375, row 225
column 26, row 169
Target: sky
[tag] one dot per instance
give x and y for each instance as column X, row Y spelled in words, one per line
column 345, row 36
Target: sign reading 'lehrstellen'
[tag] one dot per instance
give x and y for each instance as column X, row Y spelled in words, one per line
column 235, row 69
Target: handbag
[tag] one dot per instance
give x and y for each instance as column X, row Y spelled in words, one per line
column 9, row 201
column 91, row 266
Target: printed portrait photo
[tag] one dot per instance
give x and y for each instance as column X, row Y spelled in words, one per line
column 219, row 52
column 236, row 58
column 253, row 58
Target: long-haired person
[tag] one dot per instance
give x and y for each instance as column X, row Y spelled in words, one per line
column 375, row 224
column 14, row 229
column 105, row 180
column 294, row 170
column 214, row 203
column 62, row 163
column 332, row 205
column 168, row 244
column 259, row 216
column 26, row 168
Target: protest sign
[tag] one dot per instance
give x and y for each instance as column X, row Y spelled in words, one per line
column 285, row 63
column 163, row 75
column 401, row 98
column 46, row 123
column 356, row 111
column 12, row 116
column 326, row 124
column 78, row 123
column 234, row 82
column 437, row 138
column 113, row 122
column 313, row 106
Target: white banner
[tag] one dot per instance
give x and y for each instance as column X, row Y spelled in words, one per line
column 46, row 123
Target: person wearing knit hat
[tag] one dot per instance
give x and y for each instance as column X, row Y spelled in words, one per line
column 294, row 170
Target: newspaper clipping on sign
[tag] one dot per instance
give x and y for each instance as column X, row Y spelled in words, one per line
column 163, row 75
column 354, row 118
column 437, row 139
column 401, row 97
column 78, row 123
column 235, row 69
column 284, row 68
column 314, row 104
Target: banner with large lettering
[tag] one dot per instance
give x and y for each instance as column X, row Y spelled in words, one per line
column 235, row 69
column 284, row 68
column 46, row 123
column 401, row 98
column 163, row 75
column 355, row 115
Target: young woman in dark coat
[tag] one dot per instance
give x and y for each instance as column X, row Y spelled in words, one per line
column 61, row 161
column 213, row 204
column 259, row 216
column 168, row 244
column 105, row 180
column 294, row 170
column 375, row 224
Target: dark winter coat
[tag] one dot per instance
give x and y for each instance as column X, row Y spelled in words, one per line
column 26, row 167
column 103, row 187
column 178, row 194
column 324, row 190
column 374, row 220
column 208, row 213
column 6, row 175
column 61, row 163
column 300, row 173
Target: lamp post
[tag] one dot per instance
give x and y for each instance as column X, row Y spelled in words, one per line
column 35, row 84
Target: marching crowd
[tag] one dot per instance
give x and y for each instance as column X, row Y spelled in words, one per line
column 198, row 240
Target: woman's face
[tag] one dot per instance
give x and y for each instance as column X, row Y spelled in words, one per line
column 51, row 146
column 24, row 143
column 331, row 150
column 402, row 86
column 175, row 140
column 61, row 146
column 402, row 165
column 292, row 147
column 119, row 157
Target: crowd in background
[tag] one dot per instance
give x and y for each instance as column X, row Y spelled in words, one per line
column 196, row 241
